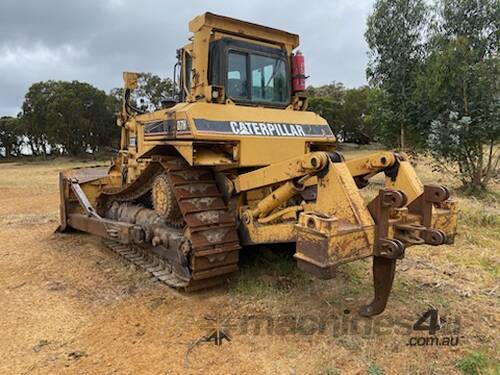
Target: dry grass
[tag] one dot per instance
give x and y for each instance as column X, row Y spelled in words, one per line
column 69, row 306
column 40, row 175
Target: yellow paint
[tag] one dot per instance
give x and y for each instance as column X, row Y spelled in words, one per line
column 265, row 178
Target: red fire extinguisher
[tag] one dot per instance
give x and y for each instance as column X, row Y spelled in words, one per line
column 298, row 72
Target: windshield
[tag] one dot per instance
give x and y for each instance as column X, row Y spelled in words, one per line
column 257, row 78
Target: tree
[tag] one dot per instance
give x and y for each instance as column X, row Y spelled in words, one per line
column 72, row 116
column 462, row 85
column 395, row 35
column 325, row 107
column 351, row 113
column 11, row 137
column 326, row 101
column 34, row 115
column 115, row 99
column 357, row 115
column 335, row 91
column 80, row 114
column 150, row 92
column 152, row 89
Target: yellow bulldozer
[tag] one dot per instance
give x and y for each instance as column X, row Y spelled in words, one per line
column 235, row 159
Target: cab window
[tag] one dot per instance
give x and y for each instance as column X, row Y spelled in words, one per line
column 257, row 78
column 268, row 79
column 237, row 85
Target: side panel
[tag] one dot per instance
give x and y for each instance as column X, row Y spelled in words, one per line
column 267, row 151
column 261, row 136
column 264, row 135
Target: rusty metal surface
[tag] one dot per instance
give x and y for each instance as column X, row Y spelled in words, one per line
column 337, row 228
column 164, row 201
column 387, row 249
column 211, row 242
column 383, row 277
column 399, row 227
column 380, row 208
column 118, row 231
column 214, row 243
column 157, row 266
column 351, row 235
column 198, row 256
column 438, row 215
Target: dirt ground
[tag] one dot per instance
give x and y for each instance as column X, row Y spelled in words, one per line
column 69, row 305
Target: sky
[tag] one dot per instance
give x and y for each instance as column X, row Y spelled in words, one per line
column 96, row 40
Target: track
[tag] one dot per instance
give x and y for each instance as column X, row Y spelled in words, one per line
column 205, row 251
column 149, row 262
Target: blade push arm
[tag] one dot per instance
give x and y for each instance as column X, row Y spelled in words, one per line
column 281, row 172
column 399, row 173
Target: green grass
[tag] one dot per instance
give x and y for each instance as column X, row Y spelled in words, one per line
column 478, row 217
column 248, row 285
column 490, row 266
column 349, row 342
column 271, row 273
column 355, row 280
column 374, row 369
column 332, row 301
column 477, row 363
column 443, row 302
column 352, row 273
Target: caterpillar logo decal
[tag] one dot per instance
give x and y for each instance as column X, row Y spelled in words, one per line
column 266, row 129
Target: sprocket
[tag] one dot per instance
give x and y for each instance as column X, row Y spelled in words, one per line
column 164, row 201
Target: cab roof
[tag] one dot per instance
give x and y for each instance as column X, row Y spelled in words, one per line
column 243, row 29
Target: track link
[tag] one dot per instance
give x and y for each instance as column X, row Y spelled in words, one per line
column 149, row 262
column 210, row 241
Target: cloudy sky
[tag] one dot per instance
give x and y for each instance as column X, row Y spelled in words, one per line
column 95, row 40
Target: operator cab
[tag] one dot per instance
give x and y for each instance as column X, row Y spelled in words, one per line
column 250, row 73
column 224, row 64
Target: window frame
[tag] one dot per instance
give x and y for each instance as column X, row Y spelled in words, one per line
column 249, row 49
column 247, row 71
column 287, row 87
column 187, row 72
